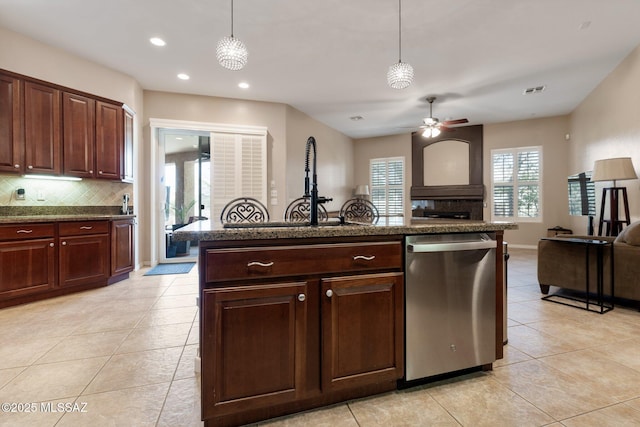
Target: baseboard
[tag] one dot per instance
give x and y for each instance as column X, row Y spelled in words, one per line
column 516, row 246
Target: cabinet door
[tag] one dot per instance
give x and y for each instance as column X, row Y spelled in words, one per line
column 84, row 260
column 122, row 246
column 253, row 342
column 11, row 143
column 43, row 121
column 362, row 330
column 127, row 173
column 26, row 267
column 109, row 141
column 78, row 135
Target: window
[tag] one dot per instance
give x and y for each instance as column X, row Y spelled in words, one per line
column 516, row 179
column 387, row 188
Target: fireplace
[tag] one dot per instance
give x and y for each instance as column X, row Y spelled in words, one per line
column 447, row 209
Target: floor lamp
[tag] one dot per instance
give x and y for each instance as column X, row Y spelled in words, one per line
column 616, row 169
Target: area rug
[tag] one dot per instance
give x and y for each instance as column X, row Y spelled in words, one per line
column 180, row 268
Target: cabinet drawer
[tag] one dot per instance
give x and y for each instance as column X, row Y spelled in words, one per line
column 27, row 231
column 83, row 227
column 277, row 261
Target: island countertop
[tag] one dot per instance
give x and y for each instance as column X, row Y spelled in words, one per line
column 26, row 219
column 213, row 230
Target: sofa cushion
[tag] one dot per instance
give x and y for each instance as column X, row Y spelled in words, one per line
column 630, row 235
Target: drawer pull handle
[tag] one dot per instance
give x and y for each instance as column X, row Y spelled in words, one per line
column 64, row 243
column 25, row 231
column 85, row 227
column 17, row 166
column 329, row 293
column 259, row 264
column 364, row 258
column 301, row 297
column 51, row 244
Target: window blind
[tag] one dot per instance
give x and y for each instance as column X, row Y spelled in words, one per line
column 387, row 185
column 516, row 183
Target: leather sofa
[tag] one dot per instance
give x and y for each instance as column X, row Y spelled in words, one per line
column 564, row 265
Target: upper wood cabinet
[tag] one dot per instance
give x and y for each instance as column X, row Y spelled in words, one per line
column 127, row 173
column 11, row 114
column 53, row 130
column 109, row 140
column 42, row 123
column 79, row 135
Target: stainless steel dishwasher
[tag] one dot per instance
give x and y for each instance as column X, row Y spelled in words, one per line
column 450, row 303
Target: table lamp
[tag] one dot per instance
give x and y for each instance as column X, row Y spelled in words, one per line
column 362, row 191
column 615, row 169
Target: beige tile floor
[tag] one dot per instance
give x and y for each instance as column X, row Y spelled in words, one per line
column 123, row 356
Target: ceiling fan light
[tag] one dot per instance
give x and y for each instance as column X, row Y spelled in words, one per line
column 231, row 53
column 431, row 132
column 400, row 75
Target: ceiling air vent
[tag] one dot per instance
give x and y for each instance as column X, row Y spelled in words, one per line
column 532, row 90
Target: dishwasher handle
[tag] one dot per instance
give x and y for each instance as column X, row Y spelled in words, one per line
column 452, row 246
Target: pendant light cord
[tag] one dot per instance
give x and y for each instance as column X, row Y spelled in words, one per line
column 399, row 30
column 231, row 18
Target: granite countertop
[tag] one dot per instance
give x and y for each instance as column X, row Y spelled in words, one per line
column 22, row 219
column 213, row 230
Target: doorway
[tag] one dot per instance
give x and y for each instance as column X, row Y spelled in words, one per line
column 184, row 180
column 186, row 188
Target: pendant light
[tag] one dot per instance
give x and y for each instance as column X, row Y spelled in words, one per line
column 231, row 52
column 400, row 74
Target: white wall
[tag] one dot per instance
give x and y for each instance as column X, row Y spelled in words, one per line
column 335, row 160
column 366, row 149
column 607, row 124
column 550, row 134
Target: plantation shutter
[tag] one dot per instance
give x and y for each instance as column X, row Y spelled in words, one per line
column 387, row 186
column 516, row 181
column 238, row 169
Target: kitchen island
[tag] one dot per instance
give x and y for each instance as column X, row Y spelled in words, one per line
column 295, row 317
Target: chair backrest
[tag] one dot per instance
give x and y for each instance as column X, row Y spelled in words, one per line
column 359, row 210
column 244, row 209
column 300, row 211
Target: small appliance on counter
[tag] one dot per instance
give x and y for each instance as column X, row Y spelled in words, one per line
column 125, row 204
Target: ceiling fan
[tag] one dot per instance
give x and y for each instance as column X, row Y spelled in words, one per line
column 432, row 126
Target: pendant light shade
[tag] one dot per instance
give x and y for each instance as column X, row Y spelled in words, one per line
column 400, row 74
column 231, row 53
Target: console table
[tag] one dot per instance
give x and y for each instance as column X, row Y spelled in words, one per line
column 599, row 306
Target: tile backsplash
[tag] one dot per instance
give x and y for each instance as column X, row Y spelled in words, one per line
column 88, row 192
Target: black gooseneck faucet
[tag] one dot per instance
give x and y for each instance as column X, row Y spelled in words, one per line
column 314, row 199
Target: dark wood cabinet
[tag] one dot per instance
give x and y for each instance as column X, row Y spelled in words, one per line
column 84, row 253
column 122, row 246
column 43, row 260
column 127, row 173
column 42, row 124
column 362, row 330
column 78, row 135
column 255, row 341
column 27, row 260
column 52, row 130
column 292, row 325
column 109, row 141
column 11, row 114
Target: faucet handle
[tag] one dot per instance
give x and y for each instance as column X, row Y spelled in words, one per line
column 322, row 199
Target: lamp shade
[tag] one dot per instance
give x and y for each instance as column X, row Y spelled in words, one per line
column 614, row 169
column 362, row 190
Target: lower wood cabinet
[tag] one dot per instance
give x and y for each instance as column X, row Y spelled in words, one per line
column 273, row 344
column 362, row 333
column 255, row 340
column 27, row 267
column 42, row 260
column 122, row 246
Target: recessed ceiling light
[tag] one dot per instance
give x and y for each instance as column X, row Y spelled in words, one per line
column 356, row 118
column 157, row 41
column 179, row 138
column 243, row 85
column 183, row 76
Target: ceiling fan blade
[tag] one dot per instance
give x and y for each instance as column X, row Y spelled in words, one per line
column 455, row 122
